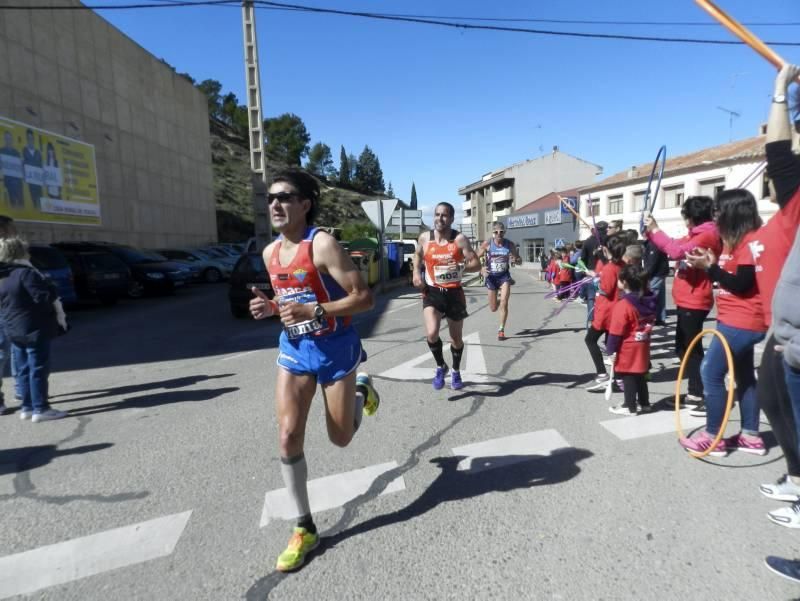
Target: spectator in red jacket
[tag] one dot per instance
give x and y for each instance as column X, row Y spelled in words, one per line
column 606, row 297
column 692, row 290
column 564, row 274
column 629, row 334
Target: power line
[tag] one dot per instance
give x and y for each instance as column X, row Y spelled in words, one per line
column 396, row 18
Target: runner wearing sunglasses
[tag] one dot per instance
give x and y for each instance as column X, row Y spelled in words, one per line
column 499, row 253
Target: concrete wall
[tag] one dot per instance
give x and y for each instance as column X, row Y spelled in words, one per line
column 74, row 74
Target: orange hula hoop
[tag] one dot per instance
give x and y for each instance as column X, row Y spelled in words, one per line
column 731, row 389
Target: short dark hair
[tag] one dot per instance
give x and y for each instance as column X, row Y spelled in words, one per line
column 737, row 215
column 306, row 186
column 617, row 223
column 632, row 235
column 634, row 277
column 451, row 209
column 616, row 245
column 698, row 209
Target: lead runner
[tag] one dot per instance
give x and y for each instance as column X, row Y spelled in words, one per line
column 318, row 290
column 444, row 255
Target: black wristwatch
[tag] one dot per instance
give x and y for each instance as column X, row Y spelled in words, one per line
column 319, row 311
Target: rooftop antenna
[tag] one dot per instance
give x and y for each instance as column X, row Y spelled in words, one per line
column 731, row 116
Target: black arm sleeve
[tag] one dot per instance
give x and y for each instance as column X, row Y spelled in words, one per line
column 783, row 168
column 743, row 281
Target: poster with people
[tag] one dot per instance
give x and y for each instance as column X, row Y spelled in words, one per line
column 46, row 177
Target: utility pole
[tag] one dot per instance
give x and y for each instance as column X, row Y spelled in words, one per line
column 731, row 115
column 258, row 159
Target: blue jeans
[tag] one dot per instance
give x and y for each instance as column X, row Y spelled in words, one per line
column 589, row 292
column 792, row 377
column 32, row 363
column 659, row 288
column 5, row 355
column 714, row 368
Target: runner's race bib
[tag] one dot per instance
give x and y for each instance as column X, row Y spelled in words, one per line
column 447, row 274
column 307, row 297
column 499, row 264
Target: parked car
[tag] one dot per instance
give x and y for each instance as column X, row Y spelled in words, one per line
column 98, row 275
column 218, row 254
column 152, row 273
column 209, row 269
column 237, row 246
column 249, row 272
column 54, row 266
column 226, row 250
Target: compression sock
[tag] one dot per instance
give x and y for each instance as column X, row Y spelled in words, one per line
column 436, row 351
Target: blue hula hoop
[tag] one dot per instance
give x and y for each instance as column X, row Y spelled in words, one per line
column 649, row 204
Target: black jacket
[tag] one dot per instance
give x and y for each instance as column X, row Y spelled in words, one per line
column 26, row 304
column 656, row 263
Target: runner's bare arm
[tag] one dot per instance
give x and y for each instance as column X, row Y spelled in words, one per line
column 515, row 254
column 331, row 258
column 418, row 258
column 472, row 262
column 260, row 306
column 482, row 249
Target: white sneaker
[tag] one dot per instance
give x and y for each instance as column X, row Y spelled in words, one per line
column 621, row 410
column 48, row 415
column 25, row 414
column 782, row 490
column 786, row 516
column 599, row 383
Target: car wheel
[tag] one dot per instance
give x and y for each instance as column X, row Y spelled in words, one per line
column 212, row 275
column 135, row 289
column 238, row 312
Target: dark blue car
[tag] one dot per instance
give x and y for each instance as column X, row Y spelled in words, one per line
column 55, row 267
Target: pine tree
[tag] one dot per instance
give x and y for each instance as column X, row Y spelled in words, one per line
column 369, row 177
column 344, row 168
column 320, row 161
column 389, row 191
column 413, row 197
column 287, row 138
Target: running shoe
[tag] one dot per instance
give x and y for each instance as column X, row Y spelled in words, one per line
column 787, row 516
column 25, row 414
column 455, row 380
column 701, row 441
column 373, row 399
column 46, row 416
column 301, row 544
column 698, row 410
column 747, row 444
column 788, row 568
column 782, row 490
column 621, row 410
column 438, row 379
column 599, row 383
column 501, row 335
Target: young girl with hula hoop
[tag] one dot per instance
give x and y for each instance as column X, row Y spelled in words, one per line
column 740, row 318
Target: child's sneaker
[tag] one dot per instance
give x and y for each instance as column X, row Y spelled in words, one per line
column 747, row 443
column 782, row 490
column 702, row 441
column 621, row 410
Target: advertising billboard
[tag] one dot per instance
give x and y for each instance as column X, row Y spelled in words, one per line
column 46, row 177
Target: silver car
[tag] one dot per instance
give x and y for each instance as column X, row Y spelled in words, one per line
column 209, row 268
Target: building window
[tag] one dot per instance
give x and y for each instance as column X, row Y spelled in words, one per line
column 594, row 207
column 765, row 186
column 673, row 197
column 615, row 205
column 712, row 187
column 488, row 208
column 638, row 201
column 532, row 249
column 468, row 213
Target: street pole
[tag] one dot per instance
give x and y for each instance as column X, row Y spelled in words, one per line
column 381, row 249
column 255, row 120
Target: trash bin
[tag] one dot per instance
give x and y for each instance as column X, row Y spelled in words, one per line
column 362, row 263
column 394, row 257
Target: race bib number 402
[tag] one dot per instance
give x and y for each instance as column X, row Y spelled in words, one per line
column 446, row 274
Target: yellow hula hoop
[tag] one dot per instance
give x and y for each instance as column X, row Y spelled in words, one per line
column 731, row 389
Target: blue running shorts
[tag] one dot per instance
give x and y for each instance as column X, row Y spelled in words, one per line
column 329, row 358
column 495, row 280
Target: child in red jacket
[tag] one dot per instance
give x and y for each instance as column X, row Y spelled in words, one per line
column 564, row 275
column 604, row 303
column 629, row 332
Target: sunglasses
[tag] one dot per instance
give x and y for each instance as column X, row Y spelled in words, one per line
column 282, row 197
column 499, row 231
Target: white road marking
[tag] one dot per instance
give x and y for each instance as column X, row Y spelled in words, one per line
column 475, row 372
column 509, row 449
column 329, row 492
column 240, row 355
column 660, row 422
column 70, row 560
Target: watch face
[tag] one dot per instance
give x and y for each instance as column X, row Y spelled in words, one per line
column 779, row 98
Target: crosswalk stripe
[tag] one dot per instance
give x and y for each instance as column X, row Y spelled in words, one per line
column 508, row 450
column 70, row 560
column 329, row 492
column 660, row 422
column 474, row 372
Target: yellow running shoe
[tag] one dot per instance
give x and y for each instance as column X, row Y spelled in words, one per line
column 373, row 400
column 301, row 543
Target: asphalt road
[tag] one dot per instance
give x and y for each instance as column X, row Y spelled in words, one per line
column 164, row 482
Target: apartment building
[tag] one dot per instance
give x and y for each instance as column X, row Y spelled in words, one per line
column 498, row 193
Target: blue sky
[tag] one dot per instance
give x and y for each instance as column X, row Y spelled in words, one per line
column 441, row 107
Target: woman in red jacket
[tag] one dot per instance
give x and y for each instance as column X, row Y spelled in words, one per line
column 740, row 318
column 606, row 297
column 692, row 290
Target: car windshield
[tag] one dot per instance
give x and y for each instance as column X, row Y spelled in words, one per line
column 203, row 254
column 103, row 261
column 44, row 257
column 214, row 252
column 132, row 256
